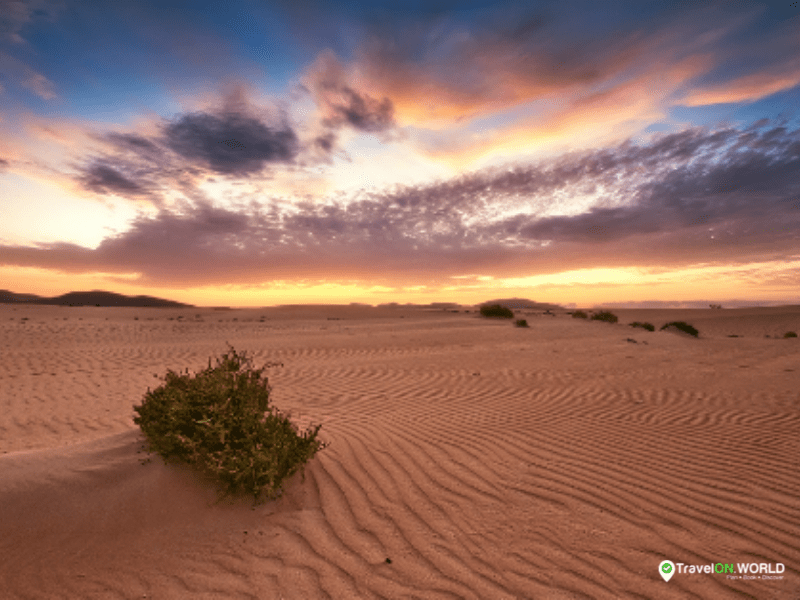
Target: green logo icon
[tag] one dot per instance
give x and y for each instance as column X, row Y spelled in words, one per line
column 666, row 569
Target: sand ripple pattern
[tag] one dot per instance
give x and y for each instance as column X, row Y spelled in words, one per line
column 466, row 460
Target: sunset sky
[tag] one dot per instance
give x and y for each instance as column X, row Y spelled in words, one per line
column 253, row 152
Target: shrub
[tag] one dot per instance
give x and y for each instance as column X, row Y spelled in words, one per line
column 606, row 316
column 680, row 325
column 220, row 422
column 497, row 310
column 789, row 334
column 648, row 326
column 521, row 322
column 579, row 314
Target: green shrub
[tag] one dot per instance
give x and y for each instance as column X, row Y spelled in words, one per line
column 579, row 314
column 789, row 334
column 648, row 326
column 220, row 422
column 680, row 325
column 496, row 310
column 521, row 322
column 606, row 316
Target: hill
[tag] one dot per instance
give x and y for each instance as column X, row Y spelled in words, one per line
column 9, row 297
column 93, row 298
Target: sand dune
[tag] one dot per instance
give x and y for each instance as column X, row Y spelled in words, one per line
column 467, row 458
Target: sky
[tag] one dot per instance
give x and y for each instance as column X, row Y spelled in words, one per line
column 254, row 153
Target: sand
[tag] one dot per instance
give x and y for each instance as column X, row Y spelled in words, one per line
column 467, row 458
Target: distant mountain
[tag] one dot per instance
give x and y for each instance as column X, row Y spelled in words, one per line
column 7, row 297
column 522, row 303
column 93, row 298
column 444, row 305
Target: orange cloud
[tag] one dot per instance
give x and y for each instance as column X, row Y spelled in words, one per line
column 592, row 118
column 744, row 89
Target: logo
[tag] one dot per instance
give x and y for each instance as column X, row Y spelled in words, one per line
column 666, row 569
column 738, row 571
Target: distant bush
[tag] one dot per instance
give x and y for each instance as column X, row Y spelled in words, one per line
column 496, row 310
column 789, row 334
column 680, row 325
column 579, row 314
column 606, row 316
column 521, row 323
column 648, row 326
column 220, row 423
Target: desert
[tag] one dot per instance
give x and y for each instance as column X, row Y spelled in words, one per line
column 452, row 300
column 466, row 457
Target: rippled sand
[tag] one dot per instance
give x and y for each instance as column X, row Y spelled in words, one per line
column 467, row 459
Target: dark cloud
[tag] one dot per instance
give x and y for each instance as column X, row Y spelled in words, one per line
column 130, row 141
column 358, row 110
column 326, row 142
column 4, row 163
column 722, row 196
column 197, row 136
column 107, row 180
column 134, row 168
column 232, row 144
column 343, row 105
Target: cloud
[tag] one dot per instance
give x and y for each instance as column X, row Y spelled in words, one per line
column 725, row 196
column 15, row 17
column 359, row 111
column 471, row 84
column 448, row 68
column 17, row 14
column 133, row 142
column 16, row 70
column 340, row 104
column 107, row 180
column 744, row 89
column 181, row 152
column 203, row 137
column 753, row 69
column 326, row 142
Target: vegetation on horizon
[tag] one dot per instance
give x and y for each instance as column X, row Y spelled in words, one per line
column 648, row 326
column 579, row 314
column 789, row 334
column 681, row 326
column 606, row 316
column 496, row 311
column 220, row 422
column 521, row 323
